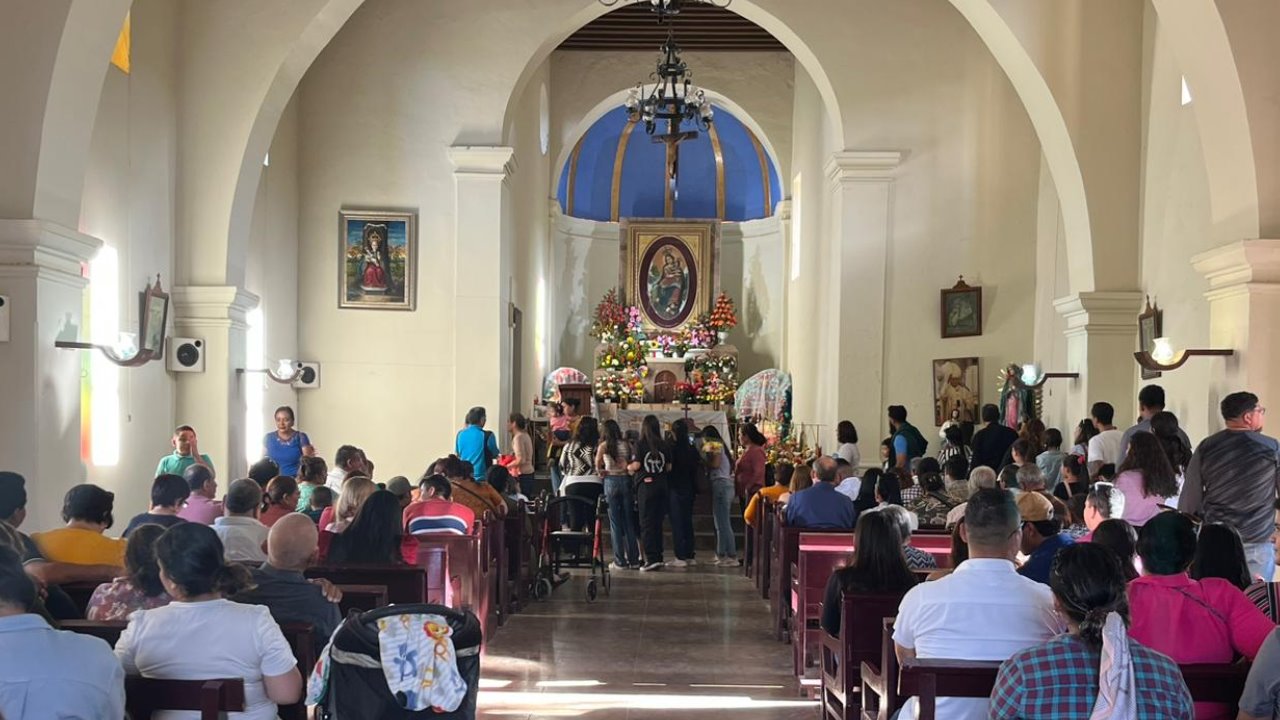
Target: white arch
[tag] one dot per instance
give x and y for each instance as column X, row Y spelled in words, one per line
column 614, row 101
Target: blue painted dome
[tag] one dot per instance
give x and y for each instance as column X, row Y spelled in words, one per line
column 617, row 171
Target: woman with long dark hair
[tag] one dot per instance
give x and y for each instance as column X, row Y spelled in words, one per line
column 578, row 463
column 847, row 443
column 1164, row 425
column 1220, row 554
column 681, row 485
column 1084, row 433
column 611, row 464
column 953, row 445
column 201, row 634
column 878, row 567
column 651, row 466
column 1146, row 478
column 715, row 453
column 1099, row 671
column 139, row 588
column 867, row 492
column 374, row 537
column 748, row 473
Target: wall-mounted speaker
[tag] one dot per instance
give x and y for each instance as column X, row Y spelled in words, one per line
column 4, row 318
column 185, row 355
column 310, row 377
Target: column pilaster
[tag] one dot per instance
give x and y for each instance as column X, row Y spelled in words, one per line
column 1102, row 334
column 851, row 363
column 213, row 401
column 1244, row 314
column 41, row 274
column 482, row 270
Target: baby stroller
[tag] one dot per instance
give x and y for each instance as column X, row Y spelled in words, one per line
column 561, row 548
column 357, row 686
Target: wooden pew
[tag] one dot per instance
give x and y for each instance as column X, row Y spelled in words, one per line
column 465, row 564
column 404, row 583
column 820, row 555
column 362, row 598
column 212, row 698
column 786, row 549
column 860, row 641
column 80, row 593
column 885, row 687
column 764, row 546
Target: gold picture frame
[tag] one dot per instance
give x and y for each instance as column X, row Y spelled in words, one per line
column 377, row 259
column 670, row 270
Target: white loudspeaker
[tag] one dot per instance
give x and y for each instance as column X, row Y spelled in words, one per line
column 4, row 318
column 310, row 378
column 185, row 355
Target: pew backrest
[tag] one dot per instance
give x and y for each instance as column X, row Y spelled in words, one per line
column 211, row 698
column 362, row 598
column 404, row 583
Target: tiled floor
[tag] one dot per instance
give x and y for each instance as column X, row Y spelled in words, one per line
column 689, row 644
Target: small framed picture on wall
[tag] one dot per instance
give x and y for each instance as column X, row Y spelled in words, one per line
column 377, row 260
column 961, row 310
column 1150, row 327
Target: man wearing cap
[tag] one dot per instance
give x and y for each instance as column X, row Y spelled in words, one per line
column 400, row 487
column 1042, row 536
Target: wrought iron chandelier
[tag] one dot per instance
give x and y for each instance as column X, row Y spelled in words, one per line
column 673, row 98
column 665, row 9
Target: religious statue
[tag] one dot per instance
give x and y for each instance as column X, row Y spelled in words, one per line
column 1015, row 398
column 376, row 259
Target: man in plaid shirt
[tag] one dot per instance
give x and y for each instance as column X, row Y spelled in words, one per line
column 1068, row 677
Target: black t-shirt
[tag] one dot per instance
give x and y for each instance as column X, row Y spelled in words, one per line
column 653, row 461
column 147, row 518
column 684, row 467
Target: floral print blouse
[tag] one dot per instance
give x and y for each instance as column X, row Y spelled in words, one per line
column 118, row 599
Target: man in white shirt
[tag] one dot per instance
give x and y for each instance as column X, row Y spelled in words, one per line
column 348, row 458
column 983, row 610
column 846, row 483
column 1104, row 448
column 243, row 537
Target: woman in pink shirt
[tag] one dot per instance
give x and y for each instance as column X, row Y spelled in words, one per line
column 1191, row 621
column 748, row 473
column 1146, row 478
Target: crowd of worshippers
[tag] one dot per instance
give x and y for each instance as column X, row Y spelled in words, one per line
column 1091, row 572
column 205, row 576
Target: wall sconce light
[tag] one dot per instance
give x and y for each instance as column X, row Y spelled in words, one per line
column 124, row 353
column 1032, row 378
column 287, row 371
column 1163, row 357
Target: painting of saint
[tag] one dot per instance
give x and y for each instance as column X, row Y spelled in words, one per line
column 668, row 286
column 961, row 310
column 955, row 390
column 379, row 256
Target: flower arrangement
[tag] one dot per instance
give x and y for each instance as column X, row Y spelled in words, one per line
column 621, row 385
column 713, row 377
column 724, row 316
column 789, row 450
column 625, row 353
column 701, row 335
column 688, row 392
column 612, row 319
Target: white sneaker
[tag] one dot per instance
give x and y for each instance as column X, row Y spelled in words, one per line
column 691, row 562
column 615, row 566
column 651, row 567
column 678, row 563
column 727, row 562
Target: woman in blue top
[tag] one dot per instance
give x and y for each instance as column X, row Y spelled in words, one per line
column 287, row 446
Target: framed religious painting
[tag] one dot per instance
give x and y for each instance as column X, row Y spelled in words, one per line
column 670, row 270
column 1150, row 327
column 955, row 390
column 962, row 310
column 378, row 260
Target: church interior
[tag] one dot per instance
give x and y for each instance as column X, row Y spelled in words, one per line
column 384, row 213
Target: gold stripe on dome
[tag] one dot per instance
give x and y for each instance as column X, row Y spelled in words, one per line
column 714, row 135
column 615, row 198
column 764, row 172
column 573, row 177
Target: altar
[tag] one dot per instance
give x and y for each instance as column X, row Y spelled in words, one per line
column 631, row 417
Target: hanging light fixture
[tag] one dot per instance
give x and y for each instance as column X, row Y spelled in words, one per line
column 667, row 8
column 673, row 98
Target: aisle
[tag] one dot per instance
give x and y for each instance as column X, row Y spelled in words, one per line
column 672, row 644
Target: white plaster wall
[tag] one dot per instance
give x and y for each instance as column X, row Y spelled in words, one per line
column 761, row 83
column 128, row 203
column 1176, row 225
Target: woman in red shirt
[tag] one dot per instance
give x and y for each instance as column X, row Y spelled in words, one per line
column 1192, row 621
column 748, row 474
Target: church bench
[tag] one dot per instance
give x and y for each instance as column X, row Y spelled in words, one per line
column 862, row 622
column 519, row 561
column 404, row 583
column 212, row 698
column 80, row 594
column 786, row 541
column 362, row 597
column 888, row 685
column 465, row 567
column 762, row 550
column 820, row 555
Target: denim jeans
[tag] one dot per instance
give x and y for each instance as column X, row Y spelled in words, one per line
column 680, row 508
column 557, row 477
column 721, row 500
column 624, row 532
column 1262, row 559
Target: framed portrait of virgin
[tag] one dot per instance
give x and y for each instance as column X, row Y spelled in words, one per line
column 378, row 259
column 669, row 269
